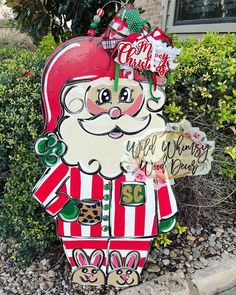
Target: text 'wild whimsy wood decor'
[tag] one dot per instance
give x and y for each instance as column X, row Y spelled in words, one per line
column 111, row 157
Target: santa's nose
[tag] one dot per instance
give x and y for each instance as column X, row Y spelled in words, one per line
column 115, row 112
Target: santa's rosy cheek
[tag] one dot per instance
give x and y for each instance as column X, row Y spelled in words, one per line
column 93, row 108
column 135, row 107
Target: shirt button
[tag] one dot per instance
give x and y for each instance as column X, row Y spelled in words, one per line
column 107, row 186
column 106, row 207
column 105, row 228
column 105, row 217
column 106, row 197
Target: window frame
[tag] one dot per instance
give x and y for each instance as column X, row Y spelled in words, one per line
column 221, row 25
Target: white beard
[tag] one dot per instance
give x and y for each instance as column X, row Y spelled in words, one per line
column 93, row 152
column 99, row 153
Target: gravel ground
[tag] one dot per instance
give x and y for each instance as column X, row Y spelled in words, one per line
column 190, row 251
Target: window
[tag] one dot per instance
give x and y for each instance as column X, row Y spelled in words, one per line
column 186, row 17
column 204, row 11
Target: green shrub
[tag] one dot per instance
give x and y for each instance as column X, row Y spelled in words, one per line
column 202, row 90
column 20, row 124
column 204, row 82
column 47, row 45
column 166, row 239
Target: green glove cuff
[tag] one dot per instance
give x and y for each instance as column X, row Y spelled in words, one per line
column 166, row 225
column 70, row 212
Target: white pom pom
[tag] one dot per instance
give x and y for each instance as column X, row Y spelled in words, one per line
column 97, row 19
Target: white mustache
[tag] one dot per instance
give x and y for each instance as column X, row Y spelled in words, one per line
column 103, row 124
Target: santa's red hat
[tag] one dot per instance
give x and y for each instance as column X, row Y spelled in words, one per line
column 77, row 59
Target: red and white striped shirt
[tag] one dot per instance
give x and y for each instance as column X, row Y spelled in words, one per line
column 63, row 182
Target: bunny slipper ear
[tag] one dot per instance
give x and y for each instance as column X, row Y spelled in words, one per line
column 80, row 257
column 115, row 260
column 132, row 259
column 97, row 258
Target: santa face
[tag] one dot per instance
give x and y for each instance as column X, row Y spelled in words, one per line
column 98, row 121
column 114, row 113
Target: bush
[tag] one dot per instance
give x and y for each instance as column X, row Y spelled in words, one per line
column 20, row 123
column 203, row 85
column 202, row 90
column 47, row 45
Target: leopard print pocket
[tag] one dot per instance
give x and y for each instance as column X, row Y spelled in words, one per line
column 90, row 212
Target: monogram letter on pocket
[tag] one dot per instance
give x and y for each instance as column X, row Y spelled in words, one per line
column 132, row 193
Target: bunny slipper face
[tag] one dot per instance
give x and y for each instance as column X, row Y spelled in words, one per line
column 123, row 272
column 88, row 272
column 88, row 275
column 123, row 277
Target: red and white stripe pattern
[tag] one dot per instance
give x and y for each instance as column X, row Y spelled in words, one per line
column 134, row 221
column 62, row 182
column 167, row 206
column 124, row 246
column 69, row 244
column 100, row 12
column 51, row 189
column 84, row 186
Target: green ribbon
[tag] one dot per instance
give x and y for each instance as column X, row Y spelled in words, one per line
column 169, row 78
column 116, row 82
column 143, row 22
column 135, row 22
column 156, row 98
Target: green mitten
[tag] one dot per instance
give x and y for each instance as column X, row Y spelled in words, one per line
column 166, row 225
column 69, row 212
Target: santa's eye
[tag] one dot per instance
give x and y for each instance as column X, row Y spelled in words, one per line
column 126, row 95
column 104, row 96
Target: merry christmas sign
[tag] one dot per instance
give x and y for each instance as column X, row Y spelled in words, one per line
column 110, row 156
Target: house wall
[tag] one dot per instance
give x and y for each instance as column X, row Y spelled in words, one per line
column 154, row 11
column 161, row 13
